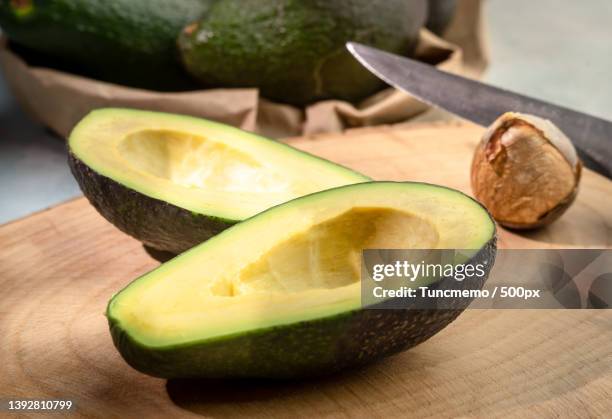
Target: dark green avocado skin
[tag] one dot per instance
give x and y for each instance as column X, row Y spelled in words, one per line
column 440, row 15
column 156, row 223
column 130, row 42
column 311, row 348
column 294, row 50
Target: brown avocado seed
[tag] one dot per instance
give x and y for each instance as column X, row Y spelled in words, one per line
column 525, row 171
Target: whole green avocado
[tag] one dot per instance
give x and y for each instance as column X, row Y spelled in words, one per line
column 131, row 42
column 294, row 50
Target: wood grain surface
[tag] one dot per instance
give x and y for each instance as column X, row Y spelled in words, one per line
column 58, row 269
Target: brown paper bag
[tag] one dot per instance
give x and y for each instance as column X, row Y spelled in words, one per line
column 59, row 100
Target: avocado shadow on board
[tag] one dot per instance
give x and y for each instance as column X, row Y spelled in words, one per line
column 247, row 397
column 159, row 255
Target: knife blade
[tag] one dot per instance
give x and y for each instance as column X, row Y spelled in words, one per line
column 483, row 104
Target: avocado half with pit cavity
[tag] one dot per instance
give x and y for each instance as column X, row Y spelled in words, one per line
column 279, row 295
column 173, row 181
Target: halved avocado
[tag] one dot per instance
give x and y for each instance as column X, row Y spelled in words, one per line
column 173, row 181
column 279, row 295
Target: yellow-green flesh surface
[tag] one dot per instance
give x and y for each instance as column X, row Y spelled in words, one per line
column 199, row 165
column 295, row 262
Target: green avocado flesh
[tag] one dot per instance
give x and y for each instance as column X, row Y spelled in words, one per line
column 279, row 295
column 294, row 50
column 174, row 181
column 131, row 42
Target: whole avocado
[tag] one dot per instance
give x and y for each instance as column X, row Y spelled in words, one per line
column 294, row 50
column 131, row 42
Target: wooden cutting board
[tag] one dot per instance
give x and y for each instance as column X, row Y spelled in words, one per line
column 58, row 268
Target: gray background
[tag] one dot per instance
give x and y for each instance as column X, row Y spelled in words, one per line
column 558, row 50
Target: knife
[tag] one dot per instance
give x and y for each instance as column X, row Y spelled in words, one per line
column 483, row 104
